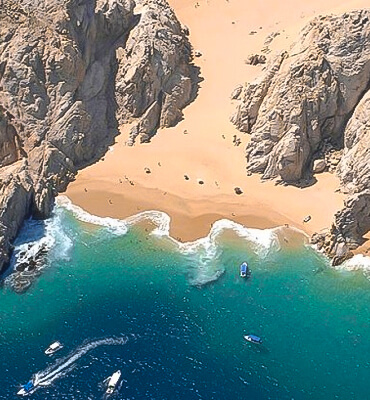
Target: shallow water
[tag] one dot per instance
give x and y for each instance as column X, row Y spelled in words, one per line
column 172, row 319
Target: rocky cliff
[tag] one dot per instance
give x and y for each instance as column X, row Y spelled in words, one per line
column 308, row 112
column 70, row 72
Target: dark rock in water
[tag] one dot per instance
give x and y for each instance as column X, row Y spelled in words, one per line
column 338, row 260
column 28, row 266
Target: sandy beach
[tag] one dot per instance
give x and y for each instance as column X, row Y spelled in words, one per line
column 201, row 146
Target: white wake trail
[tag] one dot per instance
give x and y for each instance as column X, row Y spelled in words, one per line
column 63, row 366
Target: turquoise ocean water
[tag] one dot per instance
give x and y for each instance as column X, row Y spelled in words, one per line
column 172, row 317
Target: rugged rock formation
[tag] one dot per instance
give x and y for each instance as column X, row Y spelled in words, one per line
column 313, row 104
column 156, row 78
column 306, row 97
column 354, row 169
column 353, row 221
column 70, row 71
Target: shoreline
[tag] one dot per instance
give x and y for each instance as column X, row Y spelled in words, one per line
column 191, row 219
column 201, row 146
column 159, row 223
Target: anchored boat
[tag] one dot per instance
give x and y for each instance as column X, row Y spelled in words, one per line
column 113, row 382
column 26, row 389
column 253, row 339
column 244, row 270
column 53, row 348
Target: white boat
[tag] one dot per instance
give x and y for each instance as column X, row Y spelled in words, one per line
column 54, row 347
column 244, row 270
column 28, row 388
column 113, row 380
column 253, row 339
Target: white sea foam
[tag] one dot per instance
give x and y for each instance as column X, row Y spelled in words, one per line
column 264, row 240
column 115, row 225
column 356, row 263
column 205, row 251
column 37, row 235
column 201, row 253
column 61, row 367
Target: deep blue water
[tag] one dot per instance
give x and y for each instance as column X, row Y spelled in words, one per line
column 138, row 303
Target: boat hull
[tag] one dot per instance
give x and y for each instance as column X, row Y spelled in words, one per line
column 113, row 381
column 252, row 340
column 49, row 351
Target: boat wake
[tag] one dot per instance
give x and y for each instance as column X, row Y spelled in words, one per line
column 66, row 364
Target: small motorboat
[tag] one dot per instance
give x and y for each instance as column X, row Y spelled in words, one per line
column 26, row 389
column 53, row 348
column 253, row 339
column 113, row 380
column 244, row 270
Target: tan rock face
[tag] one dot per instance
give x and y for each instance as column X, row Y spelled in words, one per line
column 354, row 167
column 307, row 97
column 310, row 111
column 354, row 172
column 155, row 77
column 9, row 140
column 319, row 166
column 68, row 74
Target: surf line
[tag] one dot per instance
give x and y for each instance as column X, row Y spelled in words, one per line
column 66, row 364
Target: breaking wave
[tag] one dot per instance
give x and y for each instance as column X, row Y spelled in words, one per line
column 118, row 226
column 201, row 253
column 357, row 263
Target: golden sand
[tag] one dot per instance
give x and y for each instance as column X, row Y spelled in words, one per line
column 220, row 31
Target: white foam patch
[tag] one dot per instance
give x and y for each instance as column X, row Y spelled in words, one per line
column 357, row 263
column 202, row 253
column 118, row 226
column 37, row 236
column 205, row 251
column 264, row 240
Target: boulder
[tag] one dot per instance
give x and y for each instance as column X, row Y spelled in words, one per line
column 319, row 166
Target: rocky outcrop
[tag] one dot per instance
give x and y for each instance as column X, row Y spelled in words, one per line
column 353, row 221
column 354, row 167
column 70, row 71
column 308, row 112
column 307, row 98
column 251, row 96
column 156, row 77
